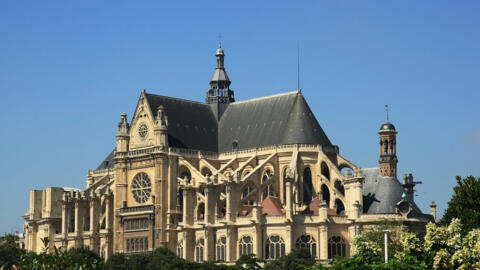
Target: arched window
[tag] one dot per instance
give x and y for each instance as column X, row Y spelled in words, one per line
column 325, row 170
column 274, row 247
column 246, row 191
column 268, row 190
column 180, row 249
column 326, row 194
column 308, row 242
column 245, row 246
column 390, row 150
column 336, row 247
column 339, row 187
column 385, row 147
column 221, row 245
column 340, row 207
column 307, row 186
column 199, row 250
column 285, row 185
column 201, row 211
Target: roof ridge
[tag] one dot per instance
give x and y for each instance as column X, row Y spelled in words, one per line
column 265, row 97
column 175, row 98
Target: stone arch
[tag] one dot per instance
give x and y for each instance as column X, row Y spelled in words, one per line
column 307, row 186
column 325, row 170
column 326, row 194
column 184, row 173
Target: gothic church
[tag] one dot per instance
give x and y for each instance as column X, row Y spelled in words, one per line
column 217, row 179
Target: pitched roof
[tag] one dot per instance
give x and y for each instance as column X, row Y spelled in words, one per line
column 191, row 124
column 272, row 120
column 107, row 163
column 280, row 119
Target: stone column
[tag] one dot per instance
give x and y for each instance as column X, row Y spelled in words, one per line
column 323, row 242
column 229, row 207
column 94, row 215
column 289, row 244
column 78, row 224
column 209, row 248
column 65, row 220
column 258, row 244
column 288, row 196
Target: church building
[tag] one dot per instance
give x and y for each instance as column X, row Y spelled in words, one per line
column 217, row 179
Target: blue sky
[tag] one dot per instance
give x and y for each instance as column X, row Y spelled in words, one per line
column 69, row 68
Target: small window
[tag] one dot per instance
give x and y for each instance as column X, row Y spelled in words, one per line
column 336, row 247
column 245, row 246
column 274, row 247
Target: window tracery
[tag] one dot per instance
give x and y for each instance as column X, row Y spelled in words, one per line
column 308, row 242
column 274, row 247
column 336, row 247
column 221, row 246
column 245, row 246
column 199, row 250
column 141, row 188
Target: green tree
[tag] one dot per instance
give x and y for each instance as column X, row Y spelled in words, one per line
column 9, row 251
column 249, row 262
column 464, row 204
column 299, row 258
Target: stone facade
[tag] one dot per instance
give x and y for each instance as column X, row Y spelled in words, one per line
column 215, row 205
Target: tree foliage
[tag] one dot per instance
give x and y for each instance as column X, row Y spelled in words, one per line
column 464, row 204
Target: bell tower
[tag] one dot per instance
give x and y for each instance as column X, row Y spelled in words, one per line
column 219, row 95
column 388, row 149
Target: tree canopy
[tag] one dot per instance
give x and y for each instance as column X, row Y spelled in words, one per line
column 464, row 204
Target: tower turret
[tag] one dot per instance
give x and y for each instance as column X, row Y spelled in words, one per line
column 388, row 149
column 161, row 127
column 219, row 95
column 122, row 134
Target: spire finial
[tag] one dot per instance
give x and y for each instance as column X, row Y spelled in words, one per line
column 387, row 110
column 219, row 40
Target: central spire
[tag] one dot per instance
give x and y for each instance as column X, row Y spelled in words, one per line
column 220, row 91
column 219, row 95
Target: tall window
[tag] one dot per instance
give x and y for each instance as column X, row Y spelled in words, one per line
column 247, row 191
column 274, row 247
column 307, row 186
column 326, row 194
column 245, row 246
column 340, row 207
column 336, row 247
column 285, row 185
column 180, row 249
column 199, row 250
column 221, row 245
column 325, row 170
column 308, row 242
column 201, row 211
column 268, row 190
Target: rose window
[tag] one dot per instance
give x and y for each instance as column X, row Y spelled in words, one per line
column 141, row 188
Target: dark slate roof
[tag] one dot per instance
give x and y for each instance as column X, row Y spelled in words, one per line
column 279, row 119
column 190, row 124
column 272, row 120
column 381, row 194
column 387, row 126
column 107, row 163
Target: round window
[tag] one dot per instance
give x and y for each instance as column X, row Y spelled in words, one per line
column 141, row 188
column 143, row 131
